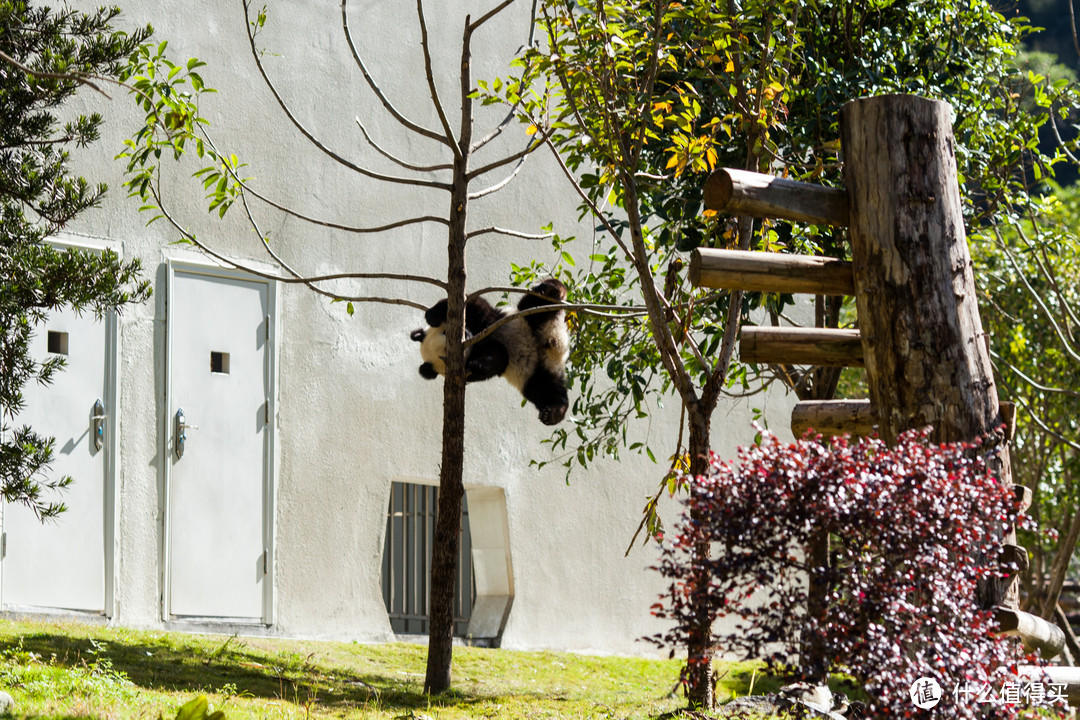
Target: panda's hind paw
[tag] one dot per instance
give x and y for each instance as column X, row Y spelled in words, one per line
column 552, row 415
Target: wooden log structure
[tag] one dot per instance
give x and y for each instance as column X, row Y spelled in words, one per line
column 833, row 417
column 1037, row 634
column 800, row 346
column 770, row 272
column 926, row 358
column 740, row 192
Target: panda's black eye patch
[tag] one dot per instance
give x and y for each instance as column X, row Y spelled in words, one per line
column 418, row 334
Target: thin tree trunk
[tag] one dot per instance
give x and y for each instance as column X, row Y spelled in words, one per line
column 451, row 486
column 699, row 647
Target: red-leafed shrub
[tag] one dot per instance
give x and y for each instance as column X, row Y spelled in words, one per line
column 911, row 527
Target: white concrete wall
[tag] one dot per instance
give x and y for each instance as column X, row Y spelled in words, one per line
column 353, row 413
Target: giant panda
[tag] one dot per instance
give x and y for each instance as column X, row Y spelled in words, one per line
column 529, row 351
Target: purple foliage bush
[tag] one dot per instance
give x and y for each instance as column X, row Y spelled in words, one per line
column 911, row 527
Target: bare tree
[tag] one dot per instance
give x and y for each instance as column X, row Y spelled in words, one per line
column 174, row 125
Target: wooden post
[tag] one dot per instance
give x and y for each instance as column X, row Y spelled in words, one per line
column 924, row 349
column 925, row 353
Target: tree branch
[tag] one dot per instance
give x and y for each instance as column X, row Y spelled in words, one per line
column 604, row 311
column 308, row 281
column 81, row 78
column 1051, row 318
column 513, row 108
column 587, row 200
column 495, row 132
column 245, row 188
column 432, row 88
column 336, row 276
column 520, row 155
column 1034, row 415
column 501, row 184
column 650, row 82
column 1029, row 381
column 511, row 233
column 490, row 14
column 418, row 129
column 399, row 161
column 310, row 137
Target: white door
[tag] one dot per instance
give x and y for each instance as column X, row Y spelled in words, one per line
column 219, row 489
column 63, row 563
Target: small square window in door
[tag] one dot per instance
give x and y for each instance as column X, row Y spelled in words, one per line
column 219, row 362
column 58, row 342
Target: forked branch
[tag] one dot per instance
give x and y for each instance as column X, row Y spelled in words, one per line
column 393, row 158
column 245, row 188
column 389, row 106
column 307, row 133
column 432, row 88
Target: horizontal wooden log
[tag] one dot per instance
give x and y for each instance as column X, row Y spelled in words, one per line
column 801, row 346
column 771, row 272
column 833, row 417
column 856, row 418
column 740, row 192
column 1036, row 633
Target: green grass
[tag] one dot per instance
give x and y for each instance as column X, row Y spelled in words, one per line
column 62, row 669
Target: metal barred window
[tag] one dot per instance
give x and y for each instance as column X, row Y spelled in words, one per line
column 406, row 570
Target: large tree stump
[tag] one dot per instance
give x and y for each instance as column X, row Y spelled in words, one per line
column 924, row 349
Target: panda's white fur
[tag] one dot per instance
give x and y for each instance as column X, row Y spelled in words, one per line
column 529, row 351
column 524, row 349
column 433, row 348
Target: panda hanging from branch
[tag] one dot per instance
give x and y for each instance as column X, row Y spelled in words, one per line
column 529, row 350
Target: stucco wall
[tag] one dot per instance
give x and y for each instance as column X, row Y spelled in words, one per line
column 353, row 414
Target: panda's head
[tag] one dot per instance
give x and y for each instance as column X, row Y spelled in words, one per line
column 433, row 350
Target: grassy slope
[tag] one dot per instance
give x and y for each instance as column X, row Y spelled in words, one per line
column 60, row 669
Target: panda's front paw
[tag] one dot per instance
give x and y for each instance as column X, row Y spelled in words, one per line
column 553, row 415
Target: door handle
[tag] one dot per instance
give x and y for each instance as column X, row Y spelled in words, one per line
column 180, row 428
column 97, row 424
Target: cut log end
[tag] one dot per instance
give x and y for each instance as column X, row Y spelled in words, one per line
column 739, row 192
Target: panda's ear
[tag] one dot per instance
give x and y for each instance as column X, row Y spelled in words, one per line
column 418, row 334
column 427, row 371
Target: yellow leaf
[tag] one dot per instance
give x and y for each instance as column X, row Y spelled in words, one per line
column 708, row 213
column 710, row 157
column 730, row 67
column 532, row 130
